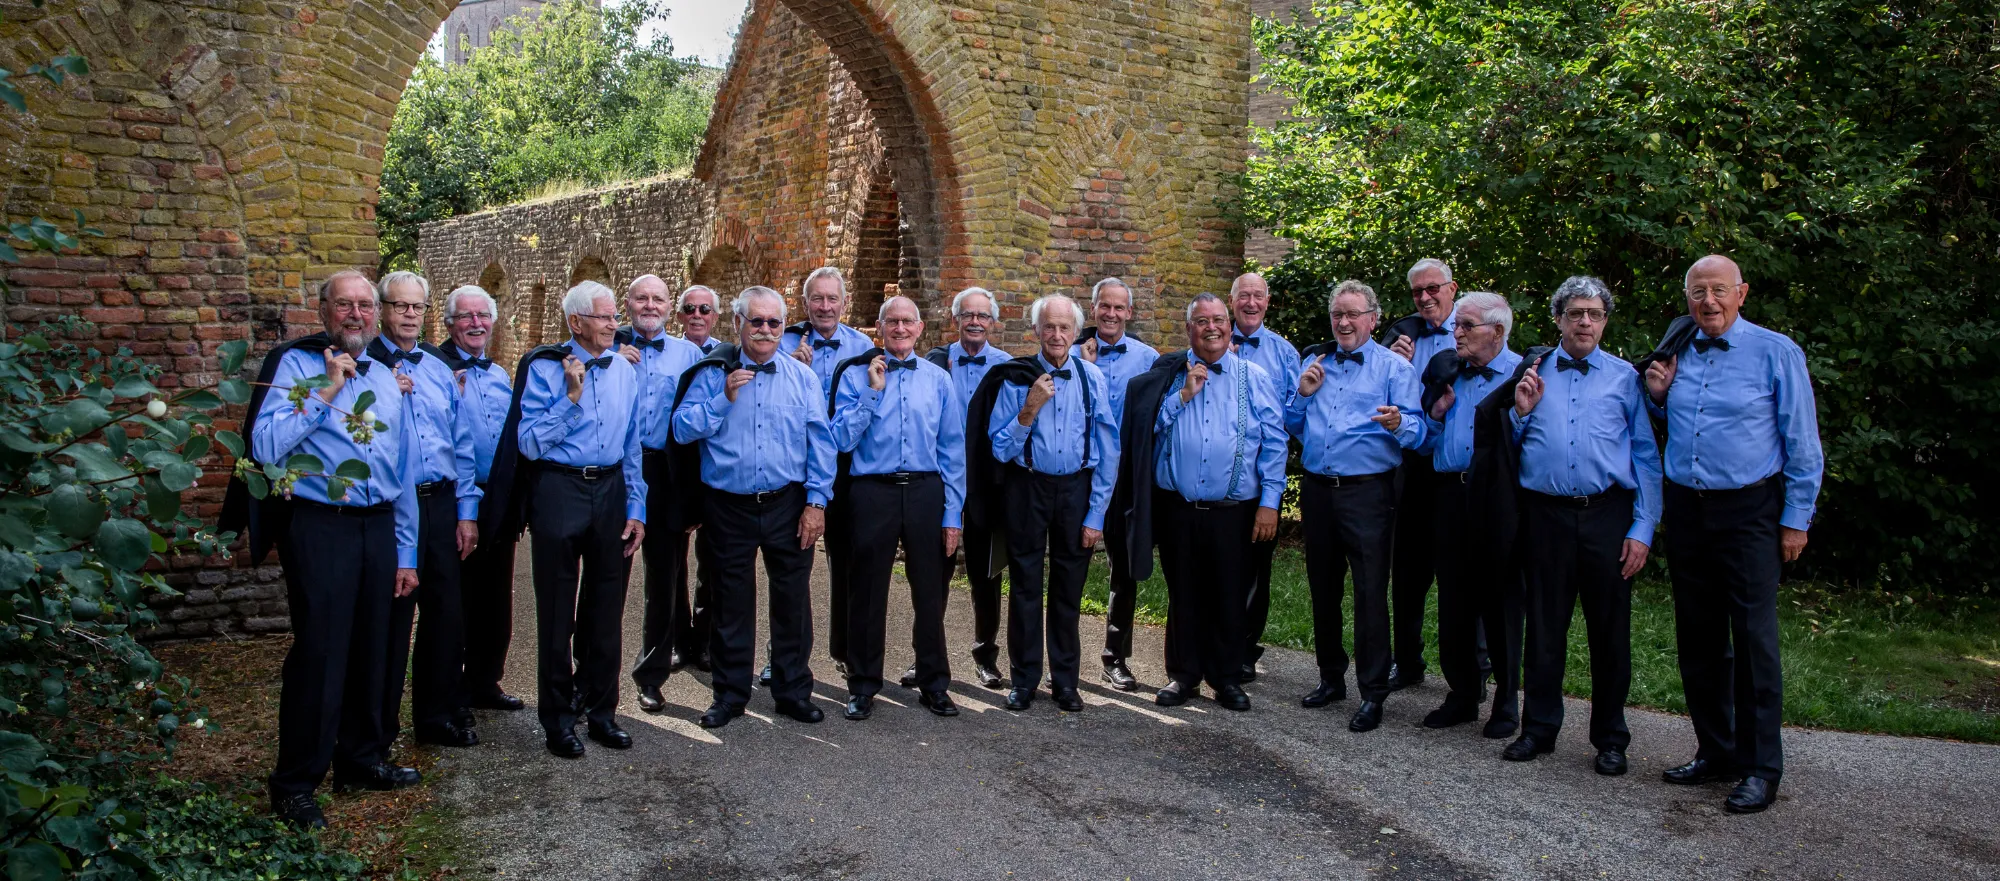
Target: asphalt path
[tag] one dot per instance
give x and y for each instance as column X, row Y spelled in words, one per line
column 1125, row 789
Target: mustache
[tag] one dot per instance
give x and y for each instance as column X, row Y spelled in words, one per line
column 762, row 337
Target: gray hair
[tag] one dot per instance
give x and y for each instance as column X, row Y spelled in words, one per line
column 1489, row 308
column 1237, row 284
column 1035, row 311
column 1205, row 298
column 1579, row 287
column 682, row 301
column 1110, row 281
column 958, row 302
column 644, row 278
column 470, row 290
column 583, row 298
column 832, row 272
column 402, row 276
column 1351, row 286
column 883, row 312
column 1428, row 263
column 326, row 287
column 740, row 307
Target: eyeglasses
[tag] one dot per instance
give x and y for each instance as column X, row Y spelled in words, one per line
column 1464, row 325
column 351, row 306
column 1350, row 316
column 1718, row 292
column 1210, row 321
column 901, row 322
column 773, row 323
column 408, row 308
column 1429, row 290
column 471, row 316
column 595, row 317
column 1580, row 314
column 975, row 316
column 701, row 309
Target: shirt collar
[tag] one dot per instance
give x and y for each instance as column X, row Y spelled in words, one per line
column 1069, row 365
column 1261, row 328
column 1450, row 321
column 638, row 334
column 1726, row 335
column 390, row 344
column 1563, row 351
column 812, row 333
column 1122, row 337
column 958, row 348
column 1227, row 362
column 583, row 354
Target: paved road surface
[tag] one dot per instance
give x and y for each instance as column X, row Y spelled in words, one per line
column 1126, row 790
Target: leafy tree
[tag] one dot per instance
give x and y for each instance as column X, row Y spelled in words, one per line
column 572, row 93
column 1845, row 152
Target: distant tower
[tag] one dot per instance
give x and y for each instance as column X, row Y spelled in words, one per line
column 471, row 25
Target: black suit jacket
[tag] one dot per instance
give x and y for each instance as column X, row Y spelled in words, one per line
column 985, row 506
column 503, row 512
column 267, row 519
column 1133, row 496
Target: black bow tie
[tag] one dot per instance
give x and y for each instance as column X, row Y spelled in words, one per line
column 1702, row 346
column 766, row 367
column 361, row 367
column 597, row 363
column 1428, row 330
column 905, row 364
column 1060, row 374
column 1111, row 350
column 1212, row 368
column 477, row 363
column 395, row 358
column 708, row 347
column 1340, row 356
column 825, row 344
column 1468, row 369
column 1579, row 365
column 972, row 359
column 658, row 345
column 1242, row 340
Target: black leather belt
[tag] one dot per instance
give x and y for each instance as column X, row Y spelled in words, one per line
column 756, row 498
column 1456, row 476
column 349, row 510
column 897, row 478
column 1218, row 503
column 1705, row 493
column 434, row 487
column 1616, row 494
column 1343, row 480
column 587, row 472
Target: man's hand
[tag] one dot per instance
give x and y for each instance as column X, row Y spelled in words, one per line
column 1388, row 416
column 878, row 373
column 339, row 367
column 951, row 537
column 1528, row 392
column 468, row 537
column 812, row 525
column 460, row 376
column 1089, row 350
column 1197, row 376
column 1632, row 558
column 1404, row 347
column 573, row 377
column 1267, row 525
column 804, row 353
column 406, row 582
column 1443, row 404
column 634, row 534
column 1792, row 541
column 1660, row 377
column 1313, row 377
column 737, row 380
column 405, row 383
column 1091, row 537
column 1039, row 393
column 630, row 353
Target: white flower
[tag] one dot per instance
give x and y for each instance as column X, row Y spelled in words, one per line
column 157, row 408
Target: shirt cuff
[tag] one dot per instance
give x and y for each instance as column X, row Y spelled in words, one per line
column 569, row 410
column 1094, row 520
column 817, row 497
column 1796, row 518
column 1272, row 498
column 1641, row 531
column 1657, row 411
column 870, row 397
column 468, row 508
column 636, row 510
column 315, row 409
column 1174, row 403
column 406, row 558
column 954, row 519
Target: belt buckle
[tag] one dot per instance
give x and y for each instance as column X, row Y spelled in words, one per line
column 1335, row 479
column 1465, row 476
column 1580, row 501
column 763, row 496
column 902, row 478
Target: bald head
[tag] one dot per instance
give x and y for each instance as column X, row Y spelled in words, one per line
column 900, row 325
column 1715, row 293
column 1713, row 263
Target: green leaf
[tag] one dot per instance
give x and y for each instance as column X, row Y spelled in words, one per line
column 305, row 462
column 134, row 387
column 352, row 469
column 200, row 399
column 235, row 391
column 15, row 570
column 231, row 355
column 259, row 487
column 95, row 464
column 124, row 543
column 180, row 476
column 73, row 512
column 34, row 861
column 231, row 441
column 72, row 63
column 336, row 488
column 80, row 834
column 196, row 447
column 20, row 753
column 161, row 503
column 85, row 416
column 13, row 439
column 15, row 533
column 364, row 400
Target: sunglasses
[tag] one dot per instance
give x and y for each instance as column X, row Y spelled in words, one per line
column 772, row 323
column 697, row 310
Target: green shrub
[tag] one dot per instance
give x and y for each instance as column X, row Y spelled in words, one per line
column 191, row 833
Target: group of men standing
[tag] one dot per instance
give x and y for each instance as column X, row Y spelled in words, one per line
column 1525, row 482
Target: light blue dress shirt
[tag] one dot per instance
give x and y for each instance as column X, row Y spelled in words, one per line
column 1425, row 348
column 659, row 378
column 775, row 433
column 705, row 347
column 483, row 400
column 1589, row 432
column 916, row 423
column 320, row 430
column 1274, row 353
column 1227, row 443
column 966, row 375
column 1058, row 431
column 1333, row 425
column 601, row 428
column 1737, row 416
column 1120, row 367
column 1450, row 442
column 444, row 431
column 825, row 359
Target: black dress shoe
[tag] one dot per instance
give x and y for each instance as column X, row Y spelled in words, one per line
column 764, row 676
column 498, row 700
column 650, row 699
column 909, row 679
column 718, row 715
column 463, row 717
column 1698, row 772
column 859, row 707
column 380, row 777
column 1499, row 727
column 1750, row 796
column 1119, row 677
column 610, row 736
column 448, row 734
column 938, row 702
column 1232, row 697
column 1610, row 762
column 1249, row 673
column 701, row 661
column 1020, row 699
column 565, row 746
column 1367, row 718
column 1525, row 748
column 299, row 810
column 801, row 711
column 1451, row 712
column 1326, row 693
column 1067, row 700
column 840, row 669
column 1175, row 694
column 988, row 675
column 675, row 662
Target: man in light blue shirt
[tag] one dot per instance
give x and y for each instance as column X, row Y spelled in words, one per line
column 1743, row 468
column 1591, row 474
column 767, row 457
column 486, row 584
column 1120, row 356
column 1060, row 440
column 901, row 419
column 700, row 309
column 968, row 358
column 1417, row 338
column 1468, row 597
column 1250, row 304
column 1219, row 477
column 580, row 424
column 1355, row 411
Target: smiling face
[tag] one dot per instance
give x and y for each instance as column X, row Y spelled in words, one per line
column 901, row 326
column 1433, row 295
column 403, row 308
column 1113, row 309
column 1715, row 292
column 824, row 303
column 348, row 312
column 975, row 322
column 1208, row 330
column 596, row 330
column 1056, row 330
column 761, row 328
column 472, row 326
column 1582, row 325
column 1353, row 321
column 647, row 303
column 1251, row 300
column 698, row 316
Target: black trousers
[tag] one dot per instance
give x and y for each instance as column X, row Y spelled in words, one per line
column 578, row 520
column 666, row 558
column 486, row 589
column 693, row 615
column 1045, row 520
column 839, row 577
column 1725, row 557
column 911, row 513
column 340, row 573
column 1413, row 568
column 1471, row 596
column 1121, row 598
column 1257, row 603
column 1204, row 552
column 1349, row 528
column 437, row 668
column 1572, row 556
column 738, row 527
column 978, row 549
